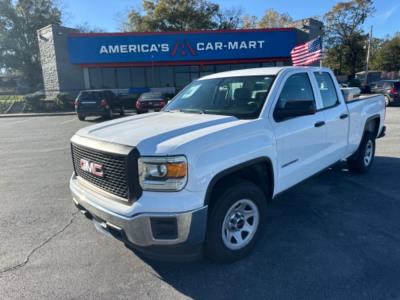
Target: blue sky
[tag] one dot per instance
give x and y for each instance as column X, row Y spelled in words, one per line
column 108, row 14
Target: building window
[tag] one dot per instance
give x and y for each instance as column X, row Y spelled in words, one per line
column 222, row 68
column 184, row 75
column 138, row 77
column 207, row 70
column 249, row 66
column 123, row 78
column 182, row 79
column 167, row 76
column 268, row 64
column 153, row 76
column 95, row 78
column 109, row 78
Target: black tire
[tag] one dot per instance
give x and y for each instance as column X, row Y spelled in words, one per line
column 122, row 111
column 110, row 114
column 81, row 118
column 215, row 247
column 358, row 162
column 387, row 101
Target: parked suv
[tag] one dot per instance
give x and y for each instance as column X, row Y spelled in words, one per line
column 152, row 101
column 391, row 89
column 98, row 103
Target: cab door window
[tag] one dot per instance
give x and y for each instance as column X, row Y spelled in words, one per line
column 296, row 94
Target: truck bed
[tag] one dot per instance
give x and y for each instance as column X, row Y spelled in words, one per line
column 360, row 109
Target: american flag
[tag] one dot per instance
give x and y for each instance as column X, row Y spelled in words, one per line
column 307, row 53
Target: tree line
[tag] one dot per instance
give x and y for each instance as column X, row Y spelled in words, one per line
column 345, row 40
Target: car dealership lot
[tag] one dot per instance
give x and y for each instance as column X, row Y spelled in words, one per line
column 333, row 236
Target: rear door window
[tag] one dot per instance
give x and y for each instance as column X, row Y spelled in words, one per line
column 327, row 89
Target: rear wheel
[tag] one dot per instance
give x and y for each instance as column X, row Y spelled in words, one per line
column 110, row 114
column 122, row 111
column 362, row 160
column 81, row 117
column 236, row 222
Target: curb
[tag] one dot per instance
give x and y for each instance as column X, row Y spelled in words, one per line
column 69, row 113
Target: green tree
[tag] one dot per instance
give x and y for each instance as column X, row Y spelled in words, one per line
column 344, row 37
column 173, row 15
column 19, row 21
column 387, row 57
column 87, row 28
column 272, row 19
column 249, row 22
column 229, row 18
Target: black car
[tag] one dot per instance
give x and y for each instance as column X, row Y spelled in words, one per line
column 151, row 101
column 98, row 103
column 390, row 89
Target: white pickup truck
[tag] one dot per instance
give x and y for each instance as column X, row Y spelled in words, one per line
column 196, row 177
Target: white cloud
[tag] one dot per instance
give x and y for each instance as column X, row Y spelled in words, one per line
column 388, row 13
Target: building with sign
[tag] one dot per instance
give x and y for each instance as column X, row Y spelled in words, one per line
column 136, row 61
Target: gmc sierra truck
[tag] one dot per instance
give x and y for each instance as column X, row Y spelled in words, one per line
column 196, row 177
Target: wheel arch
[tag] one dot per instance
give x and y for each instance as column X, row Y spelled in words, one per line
column 259, row 171
column 372, row 124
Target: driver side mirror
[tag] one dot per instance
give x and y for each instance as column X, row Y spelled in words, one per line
column 295, row 108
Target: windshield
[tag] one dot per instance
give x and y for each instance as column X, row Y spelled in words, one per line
column 151, row 96
column 242, row 97
column 91, row 96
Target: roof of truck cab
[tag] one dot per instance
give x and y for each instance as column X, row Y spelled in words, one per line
column 256, row 72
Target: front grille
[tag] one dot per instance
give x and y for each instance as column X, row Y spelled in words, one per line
column 114, row 167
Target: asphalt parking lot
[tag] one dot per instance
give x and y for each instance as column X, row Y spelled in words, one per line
column 335, row 236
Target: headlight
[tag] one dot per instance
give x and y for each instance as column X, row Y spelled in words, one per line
column 162, row 173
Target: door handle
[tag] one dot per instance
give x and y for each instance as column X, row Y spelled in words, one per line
column 319, row 124
column 343, row 116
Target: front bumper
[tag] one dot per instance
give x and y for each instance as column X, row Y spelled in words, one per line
column 163, row 236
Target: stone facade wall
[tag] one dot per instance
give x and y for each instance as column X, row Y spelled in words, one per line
column 48, row 60
column 308, row 29
column 58, row 74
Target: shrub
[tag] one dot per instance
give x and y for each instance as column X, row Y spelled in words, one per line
column 34, row 101
column 63, row 101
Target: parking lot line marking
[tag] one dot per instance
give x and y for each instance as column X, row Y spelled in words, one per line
column 17, row 122
column 67, row 121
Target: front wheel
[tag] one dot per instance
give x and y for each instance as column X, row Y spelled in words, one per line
column 236, row 222
column 362, row 160
column 122, row 111
column 81, row 117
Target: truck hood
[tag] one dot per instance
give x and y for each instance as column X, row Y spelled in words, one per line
column 147, row 131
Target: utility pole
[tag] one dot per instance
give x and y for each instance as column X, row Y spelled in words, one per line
column 368, row 53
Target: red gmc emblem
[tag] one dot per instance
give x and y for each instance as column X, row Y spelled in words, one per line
column 91, row 167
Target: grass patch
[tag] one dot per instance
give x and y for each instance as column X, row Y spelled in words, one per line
column 11, row 98
column 7, row 100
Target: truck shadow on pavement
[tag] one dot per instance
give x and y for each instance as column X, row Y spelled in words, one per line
column 335, row 235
